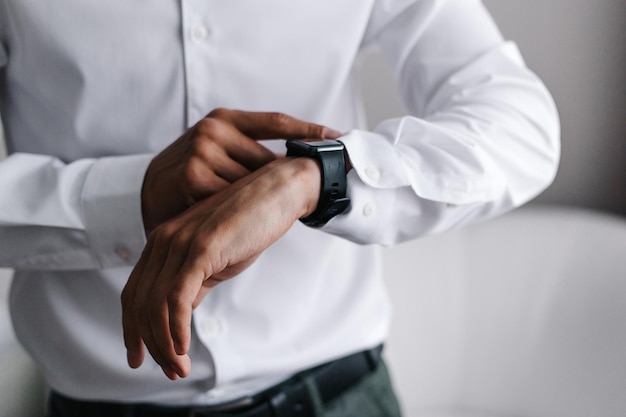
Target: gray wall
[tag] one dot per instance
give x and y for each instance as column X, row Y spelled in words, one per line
column 577, row 47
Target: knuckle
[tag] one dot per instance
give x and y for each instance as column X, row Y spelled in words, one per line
column 211, row 185
column 279, row 120
column 199, row 249
column 220, row 113
column 193, row 172
column 209, row 126
column 160, row 234
column 169, row 230
column 316, row 131
column 161, row 238
column 180, row 239
column 205, row 260
column 175, row 299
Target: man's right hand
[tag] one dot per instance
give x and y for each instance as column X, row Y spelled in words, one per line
column 219, row 150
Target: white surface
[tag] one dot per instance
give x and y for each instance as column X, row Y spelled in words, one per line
column 521, row 316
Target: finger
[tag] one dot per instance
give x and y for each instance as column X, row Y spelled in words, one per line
column 160, row 345
column 274, row 125
column 226, row 166
column 132, row 339
column 247, row 152
column 206, row 175
column 167, row 289
column 146, row 304
column 232, row 171
column 206, row 187
column 147, row 270
column 133, row 335
column 204, row 291
column 219, row 143
column 181, row 302
column 156, row 335
column 133, row 342
column 152, row 346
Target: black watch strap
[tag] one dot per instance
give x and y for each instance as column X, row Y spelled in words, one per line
column 333, row 199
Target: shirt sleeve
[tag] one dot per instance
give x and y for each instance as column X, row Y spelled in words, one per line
column 81, row 215
column 482, row 136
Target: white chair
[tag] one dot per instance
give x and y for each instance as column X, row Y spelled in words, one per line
column 522, row 316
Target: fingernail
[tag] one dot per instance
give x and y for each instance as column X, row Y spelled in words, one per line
column 170, row 373
column 331, row 133
column 133, row 360
column 182, row 366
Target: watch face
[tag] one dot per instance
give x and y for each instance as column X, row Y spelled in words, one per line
column 316, row 146
column 331, row 145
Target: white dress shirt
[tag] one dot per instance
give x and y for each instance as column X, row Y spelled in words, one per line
column 91, row 90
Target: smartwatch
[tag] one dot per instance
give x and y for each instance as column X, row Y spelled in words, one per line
column 333, row 200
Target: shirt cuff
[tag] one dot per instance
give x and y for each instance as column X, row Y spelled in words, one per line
column 375, row 159
column 373, row 183
column 112, row 203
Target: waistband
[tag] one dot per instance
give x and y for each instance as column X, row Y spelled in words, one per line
column 287, row 399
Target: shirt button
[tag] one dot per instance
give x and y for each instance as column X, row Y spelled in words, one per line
column 123, row 253
column 372, row 173
column 368, row 209
column 200, row 33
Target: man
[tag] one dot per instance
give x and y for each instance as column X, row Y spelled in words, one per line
column 93, row 94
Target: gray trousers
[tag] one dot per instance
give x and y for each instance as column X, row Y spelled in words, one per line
column 372, row 397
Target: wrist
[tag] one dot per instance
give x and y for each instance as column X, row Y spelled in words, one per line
column 305, row 181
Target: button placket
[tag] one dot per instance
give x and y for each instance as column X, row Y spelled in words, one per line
column 199, row 33
column 199, row 56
